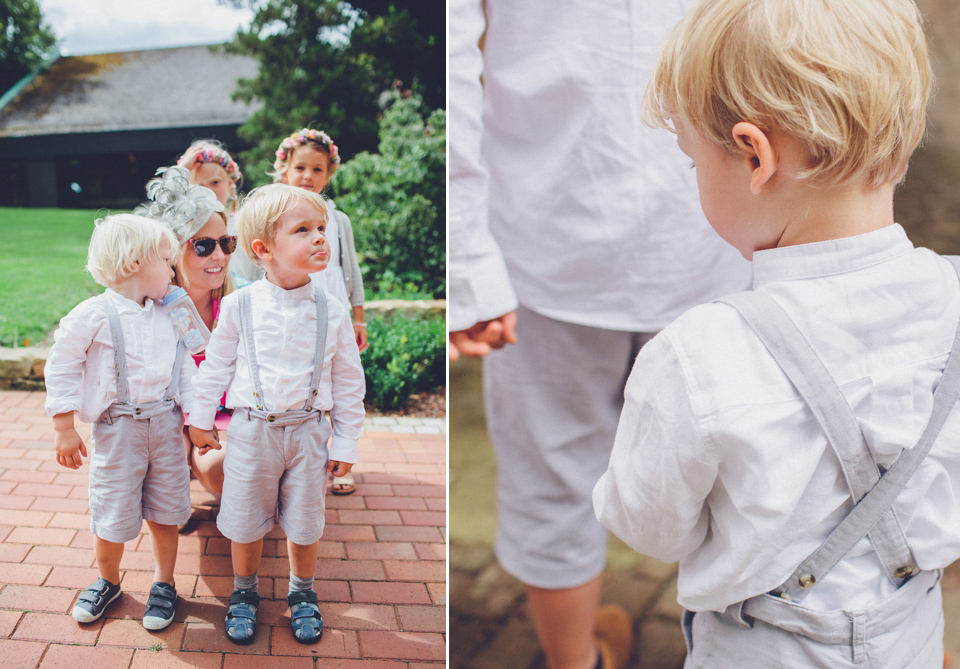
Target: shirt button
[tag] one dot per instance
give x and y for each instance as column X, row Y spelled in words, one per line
column 271, row 418
column 807, row 580
column 138, row 411
column 903, row 572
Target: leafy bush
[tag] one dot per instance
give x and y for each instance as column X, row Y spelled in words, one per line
column 396, row 199
column 406, row 355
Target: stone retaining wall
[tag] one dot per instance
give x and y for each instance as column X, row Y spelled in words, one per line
column 22, row 368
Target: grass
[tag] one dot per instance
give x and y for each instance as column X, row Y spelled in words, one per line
column 42, row 272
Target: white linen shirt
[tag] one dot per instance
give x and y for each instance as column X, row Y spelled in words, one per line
column 80, row 375
column 560, row 196
column 720, row 464
column 285, row 330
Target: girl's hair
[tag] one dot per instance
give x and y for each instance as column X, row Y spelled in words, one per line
column 182, row 207
column 849, row 78
column 211, row 151
column 120, row 239
column 317, row 139
column 259, row 214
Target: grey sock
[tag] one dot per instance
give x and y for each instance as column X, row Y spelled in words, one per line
column 297, row 583
column 251, row 582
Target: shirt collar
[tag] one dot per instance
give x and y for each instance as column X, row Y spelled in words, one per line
column 279, row 293
column 835, row 256
column 126, row 304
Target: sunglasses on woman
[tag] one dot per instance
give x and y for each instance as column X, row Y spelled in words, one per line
column 204, row 246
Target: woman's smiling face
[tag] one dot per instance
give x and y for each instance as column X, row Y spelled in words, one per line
column 211, row 271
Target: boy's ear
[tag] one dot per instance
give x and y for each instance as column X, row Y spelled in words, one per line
column 260, row 248
column 755, row 148
column 132, row 266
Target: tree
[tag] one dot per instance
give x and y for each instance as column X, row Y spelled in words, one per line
column 396, row 199
column 25, row 40
column 327, row 63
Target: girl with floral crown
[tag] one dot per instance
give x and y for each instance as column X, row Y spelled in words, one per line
column 307, row 159
column 211, row 166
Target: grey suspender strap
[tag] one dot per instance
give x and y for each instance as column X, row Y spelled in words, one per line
column 246, row 318
column 120, row 358
column 119, row 351
column 321, row 299
column 794, row 354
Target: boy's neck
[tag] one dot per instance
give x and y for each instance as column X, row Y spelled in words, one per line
column 130, row 290
column 821, row 214
column 284, row 279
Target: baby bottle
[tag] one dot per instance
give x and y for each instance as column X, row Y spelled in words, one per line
column 183, row 314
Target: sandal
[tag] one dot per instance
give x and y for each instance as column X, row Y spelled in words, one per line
column 161, row 605
column 343, row 485
column 305, row 618
column 92, row 602
column 242, row 616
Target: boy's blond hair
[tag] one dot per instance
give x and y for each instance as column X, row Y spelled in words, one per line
column 259, row 214
column 849, row 78
column 120, row 239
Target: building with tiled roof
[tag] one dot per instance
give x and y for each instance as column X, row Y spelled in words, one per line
column 89, row 131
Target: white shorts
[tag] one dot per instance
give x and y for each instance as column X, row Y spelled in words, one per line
column 553, row 401
column 138, row 471
column 273, row 470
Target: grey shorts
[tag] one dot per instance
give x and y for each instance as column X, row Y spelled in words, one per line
column 138, row 471
column 553, row 402
column 904, row 630
column 273, row 470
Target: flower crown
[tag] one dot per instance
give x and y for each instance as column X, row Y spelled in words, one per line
column 300, row 138
column 212, row 155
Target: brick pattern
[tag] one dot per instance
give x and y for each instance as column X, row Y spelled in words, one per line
column 381, row 572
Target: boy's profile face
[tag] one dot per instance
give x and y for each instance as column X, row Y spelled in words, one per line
column 299, row 246
column 153, row 275
column 723, row 181
column 309, row 168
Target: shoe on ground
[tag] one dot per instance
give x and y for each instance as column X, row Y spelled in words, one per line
column 305, row 619
column 92, row 602
column 161, row 605
column 241, row 618
column 343, row 485
column 613, row 630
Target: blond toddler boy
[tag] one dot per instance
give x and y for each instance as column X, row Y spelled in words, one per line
column 760, row 433
column 284, row 351
column 116, row 362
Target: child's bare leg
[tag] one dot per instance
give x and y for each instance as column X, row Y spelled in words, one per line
column 303, row 559
column 246, row 557
column 109, row 554
column 564, row 623
column 164, row 539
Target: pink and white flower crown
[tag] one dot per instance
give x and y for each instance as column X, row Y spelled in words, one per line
column 300, row 138
column 212, row 155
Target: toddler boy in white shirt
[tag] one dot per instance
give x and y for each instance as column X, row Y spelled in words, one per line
column 117, row 362
column 755, row 425
column 285, row 353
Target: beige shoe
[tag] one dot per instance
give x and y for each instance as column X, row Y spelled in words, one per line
column 613, row 630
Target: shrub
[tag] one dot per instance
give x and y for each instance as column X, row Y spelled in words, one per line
column 407, row 354
column 396, row 199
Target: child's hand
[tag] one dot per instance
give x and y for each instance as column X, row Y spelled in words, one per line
column 483, row 337
column 360, row 332
column 204, row 440
column 338, row 468
column 70, row 448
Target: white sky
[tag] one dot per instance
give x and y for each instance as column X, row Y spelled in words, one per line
column 104, row 26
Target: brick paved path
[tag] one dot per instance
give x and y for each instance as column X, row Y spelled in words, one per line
column 381, row 574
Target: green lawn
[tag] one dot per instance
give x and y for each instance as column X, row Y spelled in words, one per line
column 42, row 272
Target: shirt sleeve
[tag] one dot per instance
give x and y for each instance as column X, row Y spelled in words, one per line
column 479, row 287
column 218, row 368
column 63, row 371
column 653, row 494
column 347, row 390
column 188, row 371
